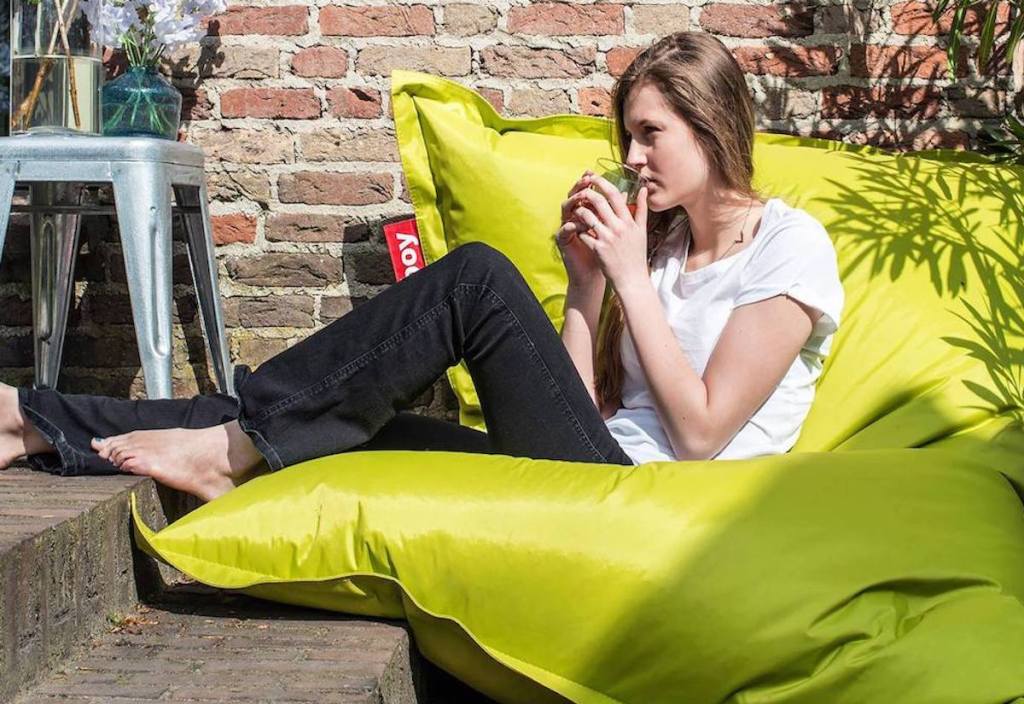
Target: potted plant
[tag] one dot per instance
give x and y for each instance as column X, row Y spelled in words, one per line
column 142, row 101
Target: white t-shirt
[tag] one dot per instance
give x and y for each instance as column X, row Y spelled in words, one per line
column 791, row 254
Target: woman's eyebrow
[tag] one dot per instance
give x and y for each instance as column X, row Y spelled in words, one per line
column 643, row 123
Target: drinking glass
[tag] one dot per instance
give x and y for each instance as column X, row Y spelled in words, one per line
column 625, row 179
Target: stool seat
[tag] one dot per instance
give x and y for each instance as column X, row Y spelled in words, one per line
column 144, row 172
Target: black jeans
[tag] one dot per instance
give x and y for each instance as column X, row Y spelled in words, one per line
column 343, row 387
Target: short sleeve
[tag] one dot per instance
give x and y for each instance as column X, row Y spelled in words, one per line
column 798, row 260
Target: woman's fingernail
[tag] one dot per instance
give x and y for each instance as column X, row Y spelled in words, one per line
column 98, row 440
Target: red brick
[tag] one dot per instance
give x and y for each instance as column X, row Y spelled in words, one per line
column 619, row 59
column 330, row 188
column 285, row 269
column 237, row 227
column 195, row 104
column 522, row 62
column 252, row 351
column 254, row 62
column 377, row 21
column 776, row 20
column 361, row 103
column 334, row 307
column 276, row 103
column 268, row 311
column 494, row 96
column 306, row 227
column 290, row 20
column 465, row 20
column 443, row 60
column 928, row 62
column 788, row 60
column 915, row 18
column 920, row 102
column 595, row 101
column 561, row 19
column 321, row 61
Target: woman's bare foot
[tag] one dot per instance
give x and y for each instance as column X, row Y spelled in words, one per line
column 18, row 437
column 206, row 462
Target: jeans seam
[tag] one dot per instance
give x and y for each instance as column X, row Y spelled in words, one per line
column 266, row 449
column 567, row 410
column 69, row 456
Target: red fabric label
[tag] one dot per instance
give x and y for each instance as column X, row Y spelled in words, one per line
column 404, row 245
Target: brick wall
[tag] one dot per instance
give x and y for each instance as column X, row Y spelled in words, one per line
column 291, row 104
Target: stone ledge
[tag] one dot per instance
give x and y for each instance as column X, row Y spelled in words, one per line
column 68, row 574
column 66, row 562
column 200, row 644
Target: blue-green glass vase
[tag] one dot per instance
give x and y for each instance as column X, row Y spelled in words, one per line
column 141, row 102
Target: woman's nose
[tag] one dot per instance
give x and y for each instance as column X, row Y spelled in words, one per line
column 636, row 157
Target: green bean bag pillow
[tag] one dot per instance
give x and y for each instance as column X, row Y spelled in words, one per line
column 881, row 560
column 929, row 248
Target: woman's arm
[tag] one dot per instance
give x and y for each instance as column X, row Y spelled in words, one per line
column 757, row 347
column 579, row 332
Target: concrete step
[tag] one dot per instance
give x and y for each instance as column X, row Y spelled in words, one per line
column 193, row 646
column 85, row 618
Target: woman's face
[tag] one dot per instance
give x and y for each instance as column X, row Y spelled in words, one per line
column 663, row 148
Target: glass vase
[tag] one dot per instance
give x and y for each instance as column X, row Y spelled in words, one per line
column 56, row 69
column 141, row 102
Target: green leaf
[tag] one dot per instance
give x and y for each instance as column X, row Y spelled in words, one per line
column 940, row 7
column 988, row 33
column 1015, row 126
column 956, row 30
column 1016, row 31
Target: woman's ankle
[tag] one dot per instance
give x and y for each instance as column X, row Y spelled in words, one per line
column 243, row 457
column 18, row 437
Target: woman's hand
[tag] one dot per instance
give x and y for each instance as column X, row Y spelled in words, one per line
column 619, row 239
column 580, row 262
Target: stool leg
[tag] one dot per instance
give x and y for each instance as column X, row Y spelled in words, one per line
column 199, row 233
column 7, row 181
column 54, row 243
column 142, row 196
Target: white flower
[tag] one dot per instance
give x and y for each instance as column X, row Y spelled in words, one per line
column 168, row 24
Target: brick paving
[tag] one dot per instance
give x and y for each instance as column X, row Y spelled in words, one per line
column 73, row 629
column 200, row 645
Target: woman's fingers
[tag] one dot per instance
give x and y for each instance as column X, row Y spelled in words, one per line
column 598, row 203
column 613, row 196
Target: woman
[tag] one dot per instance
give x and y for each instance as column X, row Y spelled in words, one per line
column 724, row 306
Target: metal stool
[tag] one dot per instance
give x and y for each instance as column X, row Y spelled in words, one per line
column 143, row 171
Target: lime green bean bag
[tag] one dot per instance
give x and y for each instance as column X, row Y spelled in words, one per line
column 882, row 560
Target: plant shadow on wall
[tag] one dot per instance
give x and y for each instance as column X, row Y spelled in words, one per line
column 890, row 99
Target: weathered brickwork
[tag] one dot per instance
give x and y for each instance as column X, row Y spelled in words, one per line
column 291, row 103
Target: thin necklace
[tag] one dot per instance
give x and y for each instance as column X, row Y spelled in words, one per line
column 735, row 242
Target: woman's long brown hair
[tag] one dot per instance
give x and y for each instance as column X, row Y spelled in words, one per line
column 698, row 76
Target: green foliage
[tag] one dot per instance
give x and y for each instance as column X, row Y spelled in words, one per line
column 987, row 40
column 1005, row 144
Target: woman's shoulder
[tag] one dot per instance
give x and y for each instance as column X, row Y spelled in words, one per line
column 793, row 230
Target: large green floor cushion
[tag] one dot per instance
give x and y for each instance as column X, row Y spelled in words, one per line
column 881, row 560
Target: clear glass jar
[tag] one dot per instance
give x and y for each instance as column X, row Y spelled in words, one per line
column 56, row 68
